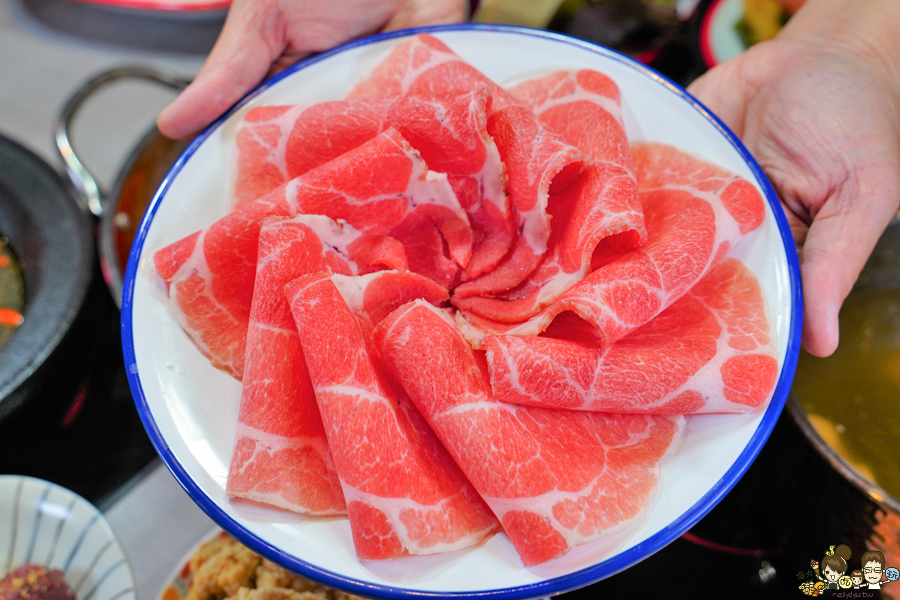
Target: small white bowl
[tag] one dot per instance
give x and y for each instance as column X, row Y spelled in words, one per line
column 190, row 409
column 46, row 524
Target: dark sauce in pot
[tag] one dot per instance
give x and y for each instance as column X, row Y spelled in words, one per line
column 12, row 293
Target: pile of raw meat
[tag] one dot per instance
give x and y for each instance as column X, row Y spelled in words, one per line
column 458, row 309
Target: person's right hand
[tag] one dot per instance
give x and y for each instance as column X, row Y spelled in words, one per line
column 264, row 36
column 819, row 109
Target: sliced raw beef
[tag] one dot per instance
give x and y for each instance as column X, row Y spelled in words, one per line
column 694, row 213
column 535, row 157
column 711, row 351
column 554, row 478
column 210, row 277
column 378, row 294
column 278, row 143
column 374, row 187
column 404, row 493
column 281, row 454
column 450, row 132
column 584, row 107
column 425, row 66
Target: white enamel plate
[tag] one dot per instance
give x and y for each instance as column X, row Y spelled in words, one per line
column 190, row 409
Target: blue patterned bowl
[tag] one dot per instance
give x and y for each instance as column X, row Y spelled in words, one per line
column 46, row 524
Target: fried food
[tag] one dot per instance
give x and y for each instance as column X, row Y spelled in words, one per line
column 221, row 568
column 225, row 569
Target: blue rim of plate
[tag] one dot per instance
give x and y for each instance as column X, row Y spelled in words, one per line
column 548, row 587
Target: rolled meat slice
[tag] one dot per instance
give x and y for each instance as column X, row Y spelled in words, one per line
column 378, row 294
column 536, row 158
column 278, row 143
column 374, row 187
column 281, row 455
column 694, row 213
column 585, row 108
column 425, row 66
column 450, row 131
column 404, row 493
column 554, row 478
column 711, row 351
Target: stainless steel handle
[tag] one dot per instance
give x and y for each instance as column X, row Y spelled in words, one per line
column 91, row 198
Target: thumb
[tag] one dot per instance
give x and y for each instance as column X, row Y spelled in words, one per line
column 722, row 91
column 838, row 243
column 251, row 40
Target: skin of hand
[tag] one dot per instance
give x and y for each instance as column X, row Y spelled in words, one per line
column 262, row 37
column 819, row 109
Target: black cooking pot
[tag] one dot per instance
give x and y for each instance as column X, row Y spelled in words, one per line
column 53, row 242
column 50, row 227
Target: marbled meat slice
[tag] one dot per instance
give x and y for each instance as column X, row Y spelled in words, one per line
column 378, row 294
column 711, row 351
column 404, row 493
column 210, row 275
column 584, row 106
column 281, row 455
column 535, row 157
column 425, row 66
column 554, row 478
column 373, row 187
column 537, row 160
column 278, row 143
column 694, row 213
column 450, row 132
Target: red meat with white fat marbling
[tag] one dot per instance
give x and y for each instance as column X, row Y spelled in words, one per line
column 711, row 351
column 536, row 158
column 374, row 187
column 554, row 478
column 275, row 144
column 694, row 213
column 376, row 295
column 585, row 108
column 280, row 454
column 404, row 493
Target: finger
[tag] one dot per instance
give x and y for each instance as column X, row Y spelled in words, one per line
column 417, row 13
column 252, row 38
column 284, row 61
column 838, row 243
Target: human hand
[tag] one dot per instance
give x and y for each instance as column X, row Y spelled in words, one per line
column 262, row 37
column 819, row 109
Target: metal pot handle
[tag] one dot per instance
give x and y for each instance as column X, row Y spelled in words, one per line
column 89, row 195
